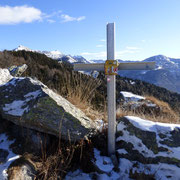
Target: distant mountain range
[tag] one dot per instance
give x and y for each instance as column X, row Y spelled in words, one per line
column 166, row 73
column 56, row 55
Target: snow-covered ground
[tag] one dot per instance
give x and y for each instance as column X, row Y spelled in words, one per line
column 150, row 126
column 4, row 144
column 163, row 171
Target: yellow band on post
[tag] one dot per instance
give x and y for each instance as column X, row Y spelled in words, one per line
column 111, row 67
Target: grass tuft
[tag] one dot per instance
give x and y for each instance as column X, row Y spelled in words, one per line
column 80, row 93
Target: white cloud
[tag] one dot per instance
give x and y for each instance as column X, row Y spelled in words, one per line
column 52, row 18
column 120, row 53
column 97, row 55
column 99, row 45
column 102, row 40
column 55, row 13
column 51, row 21
column 128, row 50
column 25, row 14
column 67, row 18
column 19, row 14
column 103, row 54
column 133, row 48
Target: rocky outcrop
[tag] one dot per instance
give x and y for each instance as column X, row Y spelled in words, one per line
column 29, row 103
column 5, row 76
column 144, row 149
column 17, row 71
column 136, row 103
column 149, row 143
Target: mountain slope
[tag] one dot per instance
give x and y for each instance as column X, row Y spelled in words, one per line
column 166, row 74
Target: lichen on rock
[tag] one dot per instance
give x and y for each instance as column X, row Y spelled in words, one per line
column 33, row 105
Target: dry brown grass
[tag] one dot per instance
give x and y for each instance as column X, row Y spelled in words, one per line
column 63, row 158
column 163, row 112
column 121, row 113
column 163, row 105
column 87, row 108
column 55, row 163
column 82, row 93
column 166, row 112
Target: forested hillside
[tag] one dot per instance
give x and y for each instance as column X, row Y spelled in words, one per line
column 62, row 78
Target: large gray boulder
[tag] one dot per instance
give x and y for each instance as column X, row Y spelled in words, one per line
column 29, row 103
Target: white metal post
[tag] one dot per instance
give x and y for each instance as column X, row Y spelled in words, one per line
column 111, row 90
column 111, row 82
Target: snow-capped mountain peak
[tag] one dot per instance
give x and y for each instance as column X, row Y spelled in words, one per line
column 80, row 59
column 57, row 55
column 158, row 58
column 163, row 62
column 21, row 48
column 52, row 54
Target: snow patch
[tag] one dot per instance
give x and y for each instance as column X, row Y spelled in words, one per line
column 132, row 82
column 128, row 96
column 147, row 125
column 103, row 163
column 122, row 151
column 18, row 107
column 15, row 108
column 32, row 95
column 137, row 143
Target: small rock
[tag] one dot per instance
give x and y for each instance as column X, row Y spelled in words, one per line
column 21, row 169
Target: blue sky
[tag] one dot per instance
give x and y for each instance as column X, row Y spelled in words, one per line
column 78, row 27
